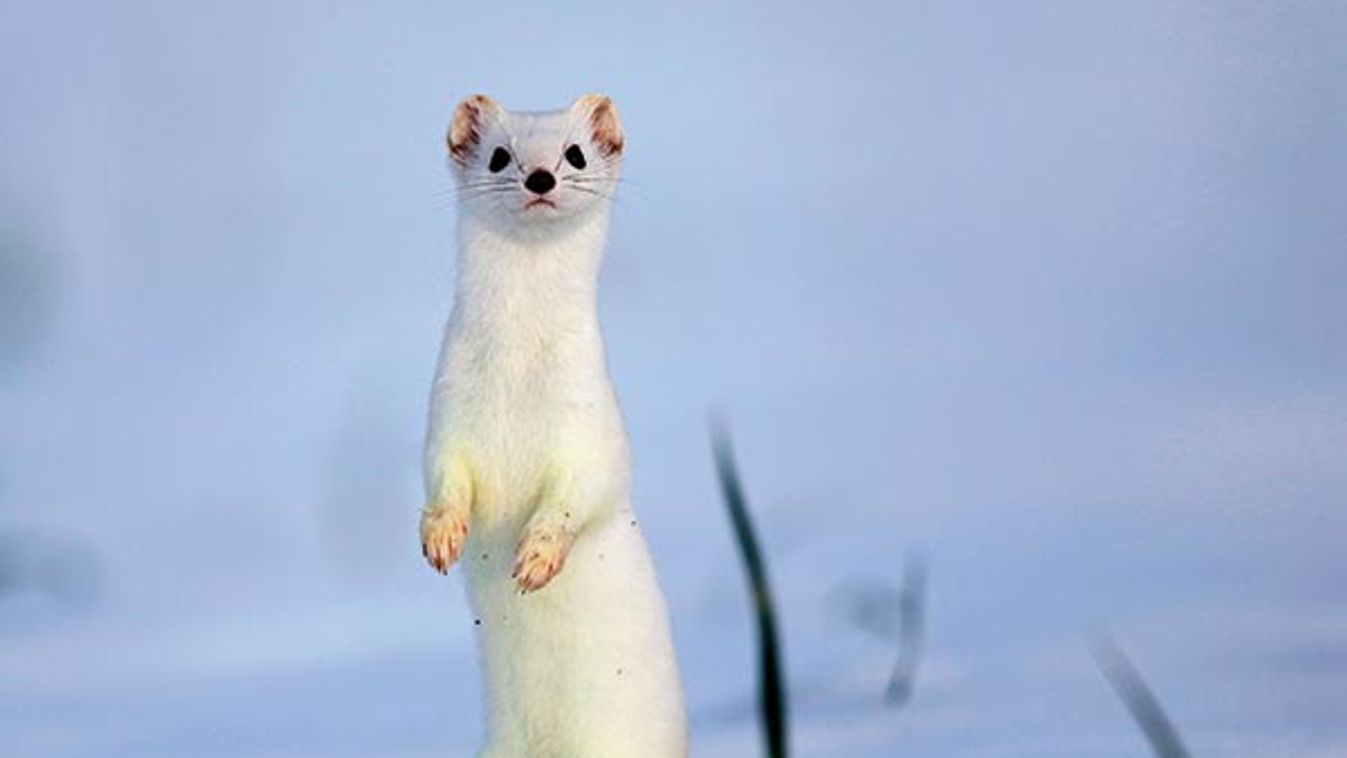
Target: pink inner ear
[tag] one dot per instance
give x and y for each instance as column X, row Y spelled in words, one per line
column 607, row 131
column 465, row 133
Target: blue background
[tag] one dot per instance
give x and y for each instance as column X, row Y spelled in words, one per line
column 1051, row 291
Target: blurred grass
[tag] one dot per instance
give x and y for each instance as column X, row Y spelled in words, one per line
column 911, row 631
column 28, row 290
column 1139, row 699
column 771, row 685
column 53, row 564
column 1121, row 674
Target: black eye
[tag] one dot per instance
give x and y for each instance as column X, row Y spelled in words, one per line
column 499, row 160
column 575, row 156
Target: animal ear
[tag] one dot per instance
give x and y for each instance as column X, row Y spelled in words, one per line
column 470, row 117
column 605, row 126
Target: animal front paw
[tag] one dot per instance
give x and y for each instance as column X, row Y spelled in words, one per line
column 444, row 530
column 541, row 554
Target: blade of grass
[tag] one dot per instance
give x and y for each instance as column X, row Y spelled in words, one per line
column 911, row 631
column 772, row 691
column 1141, row 702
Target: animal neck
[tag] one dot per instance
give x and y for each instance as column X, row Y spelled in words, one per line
column 532, row 285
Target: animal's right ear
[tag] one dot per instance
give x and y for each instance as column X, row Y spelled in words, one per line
column 470, row 118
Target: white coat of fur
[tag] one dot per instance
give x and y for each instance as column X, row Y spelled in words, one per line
column 526, row 458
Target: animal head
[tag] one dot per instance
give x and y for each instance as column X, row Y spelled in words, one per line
column 535, row 171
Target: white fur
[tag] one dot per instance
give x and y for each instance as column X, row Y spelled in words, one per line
column 527, row 450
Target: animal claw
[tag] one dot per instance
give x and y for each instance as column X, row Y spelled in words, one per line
column 444, row 532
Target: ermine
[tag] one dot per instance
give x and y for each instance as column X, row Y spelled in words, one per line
column 526, row 462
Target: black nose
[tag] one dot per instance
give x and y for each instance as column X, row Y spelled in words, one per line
column 541, row 181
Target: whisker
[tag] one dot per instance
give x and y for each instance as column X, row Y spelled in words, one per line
column 493, row 186
column 607, row 180
column 487, row 183
column 593, row 192
column 474, row 191
column 484, row 192
column 462, row 190
column 594, row 179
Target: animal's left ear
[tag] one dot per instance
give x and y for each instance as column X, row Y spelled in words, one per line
column 605, row 126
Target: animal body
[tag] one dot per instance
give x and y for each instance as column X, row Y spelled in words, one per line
column 526, row 460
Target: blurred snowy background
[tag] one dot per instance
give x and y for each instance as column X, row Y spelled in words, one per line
column 1056, row 292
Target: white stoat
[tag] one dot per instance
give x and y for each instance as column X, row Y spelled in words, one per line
column 526, row 459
